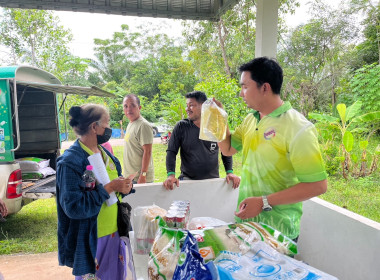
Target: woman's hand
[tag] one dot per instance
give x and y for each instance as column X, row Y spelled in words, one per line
column 121, row 185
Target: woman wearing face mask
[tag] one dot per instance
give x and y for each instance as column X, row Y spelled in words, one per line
column 88, row 240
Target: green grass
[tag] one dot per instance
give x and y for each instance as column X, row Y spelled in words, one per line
column 34, row 228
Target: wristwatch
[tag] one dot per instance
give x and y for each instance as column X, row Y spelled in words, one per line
column 266, row 206
column 143, row 174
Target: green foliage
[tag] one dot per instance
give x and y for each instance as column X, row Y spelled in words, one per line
column 368, row 51
column 225, row 90
column 345, row 125
column 314, row 58
column 32, row 230
column 365, row 86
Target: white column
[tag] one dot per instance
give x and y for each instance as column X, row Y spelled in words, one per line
column 266, row 28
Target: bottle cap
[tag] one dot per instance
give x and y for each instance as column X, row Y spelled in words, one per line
column 89, row 167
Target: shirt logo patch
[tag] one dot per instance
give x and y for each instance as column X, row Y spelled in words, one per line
column 269, row 133
column 212, row 146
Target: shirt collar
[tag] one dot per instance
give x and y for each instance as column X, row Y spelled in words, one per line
column 279, row 111
column 88, row 150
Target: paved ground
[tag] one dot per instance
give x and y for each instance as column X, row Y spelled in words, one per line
column 41, row 266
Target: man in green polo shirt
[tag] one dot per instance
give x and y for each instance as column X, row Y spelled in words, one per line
column 282, row 164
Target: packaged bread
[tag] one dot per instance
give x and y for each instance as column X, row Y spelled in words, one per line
column 213, row 122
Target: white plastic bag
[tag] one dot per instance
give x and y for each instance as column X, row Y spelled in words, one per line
column 213, row 122
column 145, row 226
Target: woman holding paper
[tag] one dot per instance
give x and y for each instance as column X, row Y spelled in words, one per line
column 88, row 240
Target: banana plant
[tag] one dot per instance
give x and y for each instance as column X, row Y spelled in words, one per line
column 344, row 123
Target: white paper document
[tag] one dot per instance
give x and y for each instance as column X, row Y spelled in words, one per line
column 101, row 174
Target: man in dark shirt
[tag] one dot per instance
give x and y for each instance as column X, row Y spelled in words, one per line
column 199, row 158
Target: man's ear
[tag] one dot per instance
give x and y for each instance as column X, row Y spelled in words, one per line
column 267, row 87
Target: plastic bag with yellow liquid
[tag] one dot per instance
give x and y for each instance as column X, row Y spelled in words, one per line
column 213, row 122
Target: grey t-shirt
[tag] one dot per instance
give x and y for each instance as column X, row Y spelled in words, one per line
column 138, row 133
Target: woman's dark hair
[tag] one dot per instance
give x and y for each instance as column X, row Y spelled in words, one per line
column 265, row 70
column 199, row 96
column 83, row 116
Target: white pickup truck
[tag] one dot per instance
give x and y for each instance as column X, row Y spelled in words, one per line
column 333, row 240
column 29, row 127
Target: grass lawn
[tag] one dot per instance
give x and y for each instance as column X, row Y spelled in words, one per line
column 33, row 229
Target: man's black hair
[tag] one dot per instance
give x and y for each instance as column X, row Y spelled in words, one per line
column 199, row 96
column 133, row 96
column 265, row 70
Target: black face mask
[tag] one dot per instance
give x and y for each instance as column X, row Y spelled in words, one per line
column 105, row 137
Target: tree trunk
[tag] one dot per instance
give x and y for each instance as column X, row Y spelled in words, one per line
column 221, row 42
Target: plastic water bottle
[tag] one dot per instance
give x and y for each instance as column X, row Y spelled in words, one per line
column 89, row 178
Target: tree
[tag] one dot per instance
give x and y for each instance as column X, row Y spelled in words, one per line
column 36, row 38
column 224, row 45
column 314, row 57
column 368, row 51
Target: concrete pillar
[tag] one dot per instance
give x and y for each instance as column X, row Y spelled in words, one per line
column 266, row 28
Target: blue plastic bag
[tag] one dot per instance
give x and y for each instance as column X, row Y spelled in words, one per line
column 191, row 264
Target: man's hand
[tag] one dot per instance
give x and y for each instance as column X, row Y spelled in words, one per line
column 217, row 102
column 141, row 179
column 235, row 180
column 170, row 181
column 3, row 208
column 250, row 207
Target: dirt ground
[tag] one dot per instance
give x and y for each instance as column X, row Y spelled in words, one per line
column 33, row 267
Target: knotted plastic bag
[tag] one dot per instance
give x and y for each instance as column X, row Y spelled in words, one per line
column 213, row 122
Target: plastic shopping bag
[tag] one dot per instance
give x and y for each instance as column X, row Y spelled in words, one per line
column 145, row 226
column 164, row 255
column 213, row 122
column 191, row 264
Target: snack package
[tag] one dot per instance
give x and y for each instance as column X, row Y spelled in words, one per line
column 213, row 122
column 35, row 175
column 263, row 262
column 164, row 255
column 204, row 223
column 145, row 226
column 239, row 237
column 191, row 265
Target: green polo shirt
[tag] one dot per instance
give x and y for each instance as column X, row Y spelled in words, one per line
column 107, row 217
column 279, row 151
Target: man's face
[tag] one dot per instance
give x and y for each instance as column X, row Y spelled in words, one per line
column 250, row 92
column 131, row 108
column 193, row 109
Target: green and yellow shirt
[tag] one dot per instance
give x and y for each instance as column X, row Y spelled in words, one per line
column 279, row 151
column 107, row 218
